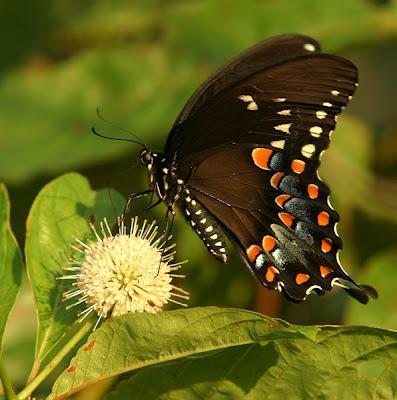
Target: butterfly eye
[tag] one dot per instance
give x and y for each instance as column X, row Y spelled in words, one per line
column 146, row 157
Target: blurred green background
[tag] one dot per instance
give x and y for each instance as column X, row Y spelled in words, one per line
column 138, row 62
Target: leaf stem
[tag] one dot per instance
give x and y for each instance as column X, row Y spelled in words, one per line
column 9, row 391
column 28, row 390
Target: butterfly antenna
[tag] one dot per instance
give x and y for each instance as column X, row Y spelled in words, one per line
column 96, row 133
column 100, row 116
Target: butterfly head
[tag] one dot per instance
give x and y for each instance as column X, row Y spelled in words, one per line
column 146, row 157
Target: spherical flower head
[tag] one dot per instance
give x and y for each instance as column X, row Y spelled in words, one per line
column 131, row 271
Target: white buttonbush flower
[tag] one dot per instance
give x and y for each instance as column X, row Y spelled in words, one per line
column 131, row 271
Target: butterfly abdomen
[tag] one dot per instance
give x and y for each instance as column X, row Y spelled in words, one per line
column 204, row 224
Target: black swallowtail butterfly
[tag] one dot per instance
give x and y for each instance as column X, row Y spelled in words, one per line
column 242, row 159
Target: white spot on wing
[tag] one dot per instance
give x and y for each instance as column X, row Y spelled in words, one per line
column 209, row 229
column 309, row 47
column 330, row 205
column 320, row 114
column 284, row 112
column 335, row 92
column 252, row 106
column 246, row 98
column 308, row 150
column 283, row 128
column 279, row 99
column 260, row 261
column 311, row 288
column 316, row 131
column 279, row 144
column 214, row 236
column 339, row 263
column 327, row 104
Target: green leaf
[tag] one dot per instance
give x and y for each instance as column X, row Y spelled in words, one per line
column 382, row 274
column 11, row 264
column 137, row 340
column 60, row 214
column 348, row 363
column 233, row 354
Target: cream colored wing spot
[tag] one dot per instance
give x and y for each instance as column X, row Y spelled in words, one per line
column 308, row 150
column 283, row 128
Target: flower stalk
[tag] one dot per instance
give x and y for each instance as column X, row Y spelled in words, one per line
column 5, row 380
column 75, row 339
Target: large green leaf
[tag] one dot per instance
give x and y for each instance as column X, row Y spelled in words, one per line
column 137, row 340
column 11, row 265
column 382, row 273
column 229, row 353
column 331, row 365
column 60, row 214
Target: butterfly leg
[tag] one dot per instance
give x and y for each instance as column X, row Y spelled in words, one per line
column 150, row 206
column 167, row 232
column 132, row 197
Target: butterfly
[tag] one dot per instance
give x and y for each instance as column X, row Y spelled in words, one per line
column 241, row 161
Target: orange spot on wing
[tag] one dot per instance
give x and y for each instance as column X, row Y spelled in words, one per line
column 323, row 218
column 71, row 369
column 298, row 166
column 89, row 346
column 280, row 200
column 312, row 190
column 324, row 271
column 271, row 273
column 268, row 243
column 253, row 251
column 276, row 178
column 302, row 278
column 286, row 218
column 261, row 157
column 326, row 245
